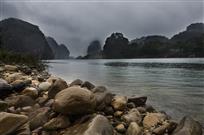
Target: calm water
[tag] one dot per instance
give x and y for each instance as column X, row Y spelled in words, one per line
column 173, row 85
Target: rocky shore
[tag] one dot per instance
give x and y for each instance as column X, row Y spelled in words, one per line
column 35, row 103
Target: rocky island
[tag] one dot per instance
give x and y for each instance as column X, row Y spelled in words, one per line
column 33, row 102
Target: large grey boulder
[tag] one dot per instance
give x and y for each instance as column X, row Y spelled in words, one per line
column 188, row 126
column 98, row 125
column 74, row 101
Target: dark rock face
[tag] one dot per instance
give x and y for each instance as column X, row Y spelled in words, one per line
column 189, row 43
column 22, row 37
column 60, row 51
column 115, row 45
column 94, row 47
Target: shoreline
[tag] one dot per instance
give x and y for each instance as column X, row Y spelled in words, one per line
column 43, row 104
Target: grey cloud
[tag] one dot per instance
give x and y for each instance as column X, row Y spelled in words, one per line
column 77, row 23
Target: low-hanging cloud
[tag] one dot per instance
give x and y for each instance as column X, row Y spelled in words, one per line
column 77, row 23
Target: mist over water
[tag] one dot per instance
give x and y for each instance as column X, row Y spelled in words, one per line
column 173, row 85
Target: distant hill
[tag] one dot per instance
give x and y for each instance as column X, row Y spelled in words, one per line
column 60, row 51
column 189, row 43
column 22, row 37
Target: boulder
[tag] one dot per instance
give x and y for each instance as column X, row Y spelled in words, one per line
column 38, row 117
column 87, row 85
column 5, row 89
column 188, row 126
column 3, row 105
column 132, row 116
column 153, row 119
column 59, row 122
column 15, row 76
column 120, row 128
column 98, row 125
column 119, row 102
column 30, row 91
column 12, row 123
column 134, row 129
column 74, row 101
column 103, row 97
column 138, row 101
column 76, row 82
column 166, row 127
column 56, row 87
column 20, row 85
column 20, row 101
column 10, row 68
column 44, row 86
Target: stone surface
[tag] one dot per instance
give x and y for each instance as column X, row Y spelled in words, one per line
column 87, row 85
column 167, row 127
column 120, row 128
column 5, row 89
column 119, row 102
column 30, row 91
column 56, row 87
column 44, row 86
column 11, row 123
column 3, row 105
column 99, row 125
column 134, row 129
column 38, row 117
column 132, row 116
column 138, row 101
column 10, row 68
column 188, row 126
column 74, row 101
column 153, row 119
column 103, row 97
column 20, row 101
column 76, row 82
column 59, row 122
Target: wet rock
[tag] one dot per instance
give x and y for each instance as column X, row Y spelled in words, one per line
column 132, row 116
column 10, row 68
column 3, row 105
column 5, row 89
column 134, row 129
column 138, row 101
column 74, row 101
column 25, row 69
column 20, row 101
column 131, row 105
column 87, row 85
column 15, row 76
column 99, row 125
column 108, row 110
column 166, row 127
column 44, row 86
column 30, row 91
column 38, row 117
column 103, row 97
column 188, row 126
column 120, row 128
column 56, row 87
column 11, row 123
column 153, row 119
column 76, row 82
column 119, row 102
column 59, row 122
column 118, row 113
column 20, row 85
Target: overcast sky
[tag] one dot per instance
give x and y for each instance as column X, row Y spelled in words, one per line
column 76, row 23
